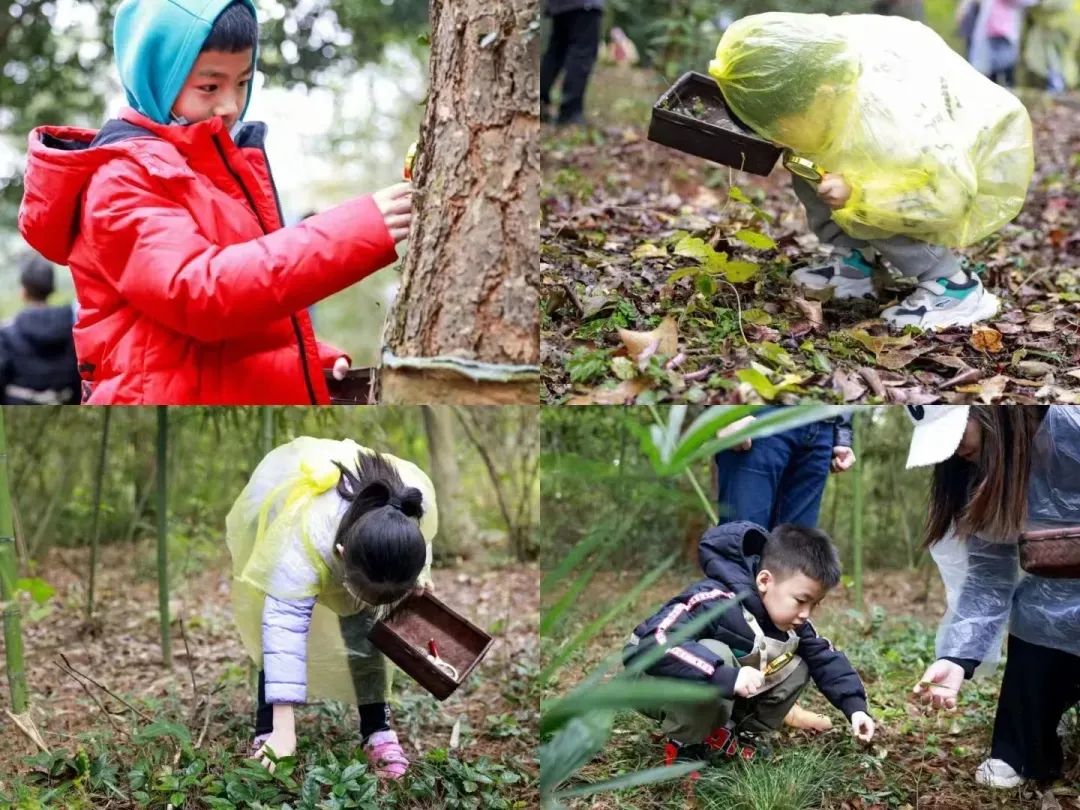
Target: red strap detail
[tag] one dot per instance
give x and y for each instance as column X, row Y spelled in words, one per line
column 718, row 738
column 670, row 752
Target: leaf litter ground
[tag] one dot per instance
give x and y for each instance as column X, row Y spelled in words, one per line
column 692, row 261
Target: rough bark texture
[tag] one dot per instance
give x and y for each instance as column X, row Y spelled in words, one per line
column 468, row 289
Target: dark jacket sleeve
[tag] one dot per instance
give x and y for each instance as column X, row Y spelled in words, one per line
column 689, row 660
column 831, row 671
column 843, row 431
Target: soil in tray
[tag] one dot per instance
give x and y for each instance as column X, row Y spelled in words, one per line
column 706, row 109
column 417, row 630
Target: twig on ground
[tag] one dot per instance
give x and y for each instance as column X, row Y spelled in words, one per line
column 738, row 307
column 106, row 689
column 104, row 710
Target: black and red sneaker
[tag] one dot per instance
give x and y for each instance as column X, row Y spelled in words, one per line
column 726, row 743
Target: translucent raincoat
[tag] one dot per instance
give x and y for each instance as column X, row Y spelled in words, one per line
column 931, row 149
column 986, row 587
column 281, row 532
column 1053, row 41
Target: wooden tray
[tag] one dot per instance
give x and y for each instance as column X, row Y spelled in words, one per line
column 693, row 117
column 355, row 389
column 403, row 638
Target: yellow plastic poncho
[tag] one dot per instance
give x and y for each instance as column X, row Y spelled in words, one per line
column 932, row 149
column 280, row 532
column 1053, row 41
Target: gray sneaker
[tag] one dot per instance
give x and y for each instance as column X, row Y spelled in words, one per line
column 850, row 276
column 943, row 303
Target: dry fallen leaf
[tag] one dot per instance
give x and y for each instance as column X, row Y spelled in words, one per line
column 851, row 389
column 1033, row 369
column 622, row 394
column 665, row 337
column 1043, row 322
column 811, row 310
column 986, row 339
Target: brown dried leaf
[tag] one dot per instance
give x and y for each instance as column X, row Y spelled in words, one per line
column 623, row 394
column 986, row 339
column 811, row 310
column 1033, row 369
column 1043, row 322
column 851, row 389
column 664, row 339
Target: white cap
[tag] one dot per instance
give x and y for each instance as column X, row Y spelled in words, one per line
column 938, row 432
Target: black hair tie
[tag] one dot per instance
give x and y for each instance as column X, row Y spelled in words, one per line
column 394, row 501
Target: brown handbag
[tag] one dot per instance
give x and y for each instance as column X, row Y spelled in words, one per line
column 1053, row 553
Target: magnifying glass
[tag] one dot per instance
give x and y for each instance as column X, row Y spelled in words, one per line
column 804, row 168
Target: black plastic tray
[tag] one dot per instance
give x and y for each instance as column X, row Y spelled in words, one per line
column 715, row 134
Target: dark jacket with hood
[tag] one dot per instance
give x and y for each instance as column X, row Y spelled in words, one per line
column 730, row 555
column 37, row 358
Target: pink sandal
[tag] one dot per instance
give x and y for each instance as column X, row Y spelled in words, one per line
column 387, row 758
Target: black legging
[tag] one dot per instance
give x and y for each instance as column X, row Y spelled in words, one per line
column 1039, row 686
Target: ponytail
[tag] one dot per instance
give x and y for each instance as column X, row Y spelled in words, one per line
column 383, row 549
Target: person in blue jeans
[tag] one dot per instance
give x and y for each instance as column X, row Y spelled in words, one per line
column 781, row 478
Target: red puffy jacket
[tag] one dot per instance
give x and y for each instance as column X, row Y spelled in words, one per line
column 190, row 290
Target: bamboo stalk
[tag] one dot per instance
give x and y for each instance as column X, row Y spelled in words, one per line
column 857, row 511
column 13, row 645
column 94, row 536
column 162, row 537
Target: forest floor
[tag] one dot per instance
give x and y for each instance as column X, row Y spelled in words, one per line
column 694, row 259
column 475, row 750
column 917, row 761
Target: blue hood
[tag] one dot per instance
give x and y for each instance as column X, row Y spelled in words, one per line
column 156, row 44
column 731, row 553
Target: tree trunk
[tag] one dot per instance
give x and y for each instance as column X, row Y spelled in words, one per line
column 99, row 477
column 16, row 673
column 465, row 326
column 162, row 536
column 456, row 529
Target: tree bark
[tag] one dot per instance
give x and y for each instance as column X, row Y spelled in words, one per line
column 468, row 291
column 456, row 530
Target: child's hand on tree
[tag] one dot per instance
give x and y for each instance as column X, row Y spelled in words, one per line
column 834, row 191
column 862, row 726
column 748, row 682
column 395, row 203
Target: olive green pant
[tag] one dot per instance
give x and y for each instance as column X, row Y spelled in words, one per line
column 692, row 723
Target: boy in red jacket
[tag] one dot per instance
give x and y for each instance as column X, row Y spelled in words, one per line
column 190, row 289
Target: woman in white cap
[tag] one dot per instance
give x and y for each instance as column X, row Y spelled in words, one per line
column 999, row 471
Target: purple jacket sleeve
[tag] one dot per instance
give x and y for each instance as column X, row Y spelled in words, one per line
column 285, row 624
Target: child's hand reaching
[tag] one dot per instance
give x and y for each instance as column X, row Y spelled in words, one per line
column 862, row 726
column 395, row 203
column 834, row 191
column 282, row 742
column 748, row 682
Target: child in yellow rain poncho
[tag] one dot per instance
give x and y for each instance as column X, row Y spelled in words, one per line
column 920, row 151
column 1052, row 44
column 325, row 537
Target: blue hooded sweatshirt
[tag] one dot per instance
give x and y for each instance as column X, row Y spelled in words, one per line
column 156, row 44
